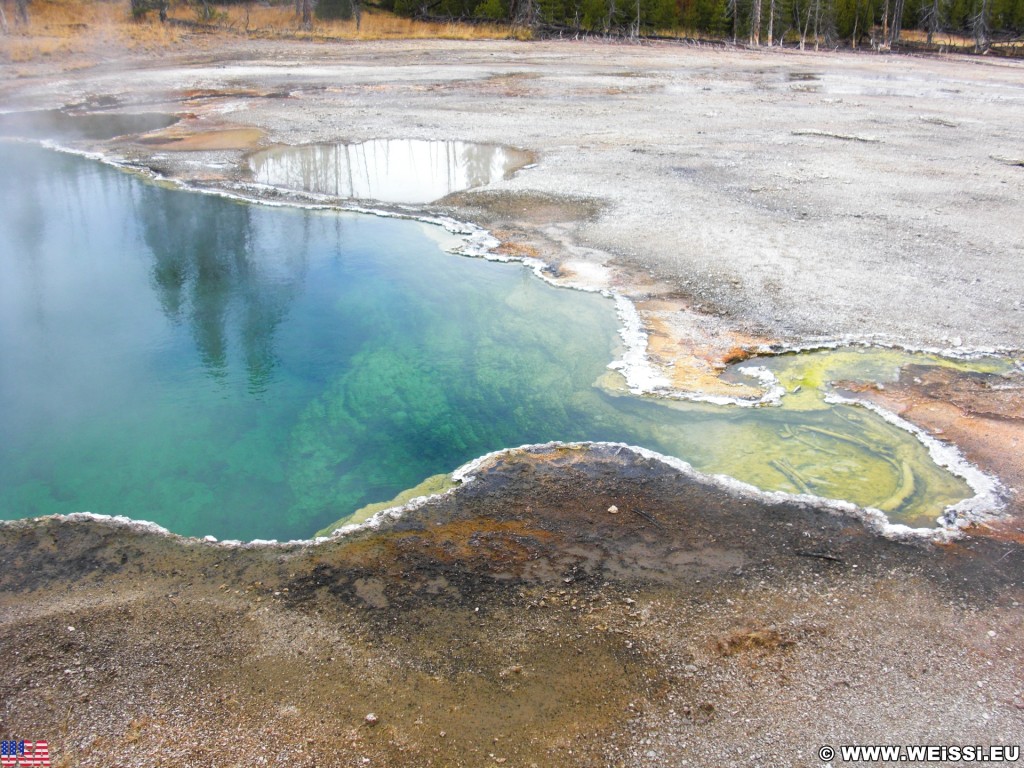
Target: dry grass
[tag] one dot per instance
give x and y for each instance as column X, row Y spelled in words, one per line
column 948, row 39
column 74, row 30
column 961, row 43
column 375, row 25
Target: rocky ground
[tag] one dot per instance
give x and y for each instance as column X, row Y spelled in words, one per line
column 739, row 198
column 568, row 607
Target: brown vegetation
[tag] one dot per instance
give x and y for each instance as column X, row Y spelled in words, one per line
column 374, row 25
column 72, row 27
column 76, row 28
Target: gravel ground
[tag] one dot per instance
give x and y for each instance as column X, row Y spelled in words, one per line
column 518, row 621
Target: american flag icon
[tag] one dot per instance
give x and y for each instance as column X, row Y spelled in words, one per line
column 15, row 754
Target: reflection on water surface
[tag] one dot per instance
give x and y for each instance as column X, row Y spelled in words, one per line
column 257, row 372
column 388, row 170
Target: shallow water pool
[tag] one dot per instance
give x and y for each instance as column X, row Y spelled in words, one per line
column 387, row 170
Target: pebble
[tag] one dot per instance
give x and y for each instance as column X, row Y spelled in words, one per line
column 613, row 510
column 371, row 719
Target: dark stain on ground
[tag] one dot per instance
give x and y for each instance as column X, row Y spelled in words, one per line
column 202, row 94
column 536, row 517
column 511, row 208
column 493, row 624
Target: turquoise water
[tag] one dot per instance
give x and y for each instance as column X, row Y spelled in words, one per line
column 246, row 371
column 255, row 372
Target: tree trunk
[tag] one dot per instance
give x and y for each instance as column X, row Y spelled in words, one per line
column 807, row 26
column 755, row 23
column 885, row 24
column 525, row 13
column 3, row 21
column 979, row 26
column 897, row 22
column 817, row 23
column 307, row 14
column 21, row 11
column 771, row 23
column 932, row 20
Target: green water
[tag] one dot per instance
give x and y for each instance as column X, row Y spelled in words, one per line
column 256, row 372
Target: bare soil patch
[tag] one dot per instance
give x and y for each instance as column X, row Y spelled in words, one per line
column 516, row 621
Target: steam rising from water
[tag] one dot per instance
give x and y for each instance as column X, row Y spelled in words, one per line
column 57, row 123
